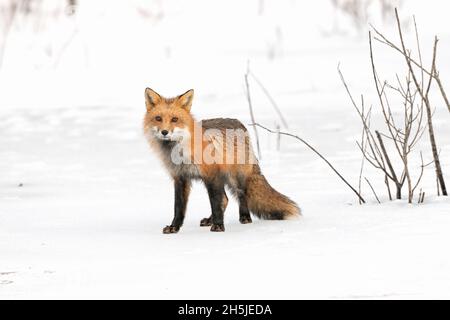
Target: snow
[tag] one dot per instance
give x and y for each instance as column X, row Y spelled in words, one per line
column 83, row 200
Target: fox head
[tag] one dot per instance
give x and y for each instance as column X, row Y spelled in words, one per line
column 168, row 119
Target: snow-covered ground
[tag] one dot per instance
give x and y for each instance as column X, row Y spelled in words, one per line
column 83, row 200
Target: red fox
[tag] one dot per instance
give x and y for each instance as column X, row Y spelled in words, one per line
column 203, row 150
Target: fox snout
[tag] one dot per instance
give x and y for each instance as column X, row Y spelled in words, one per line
column 167, row 134
column 162, row 134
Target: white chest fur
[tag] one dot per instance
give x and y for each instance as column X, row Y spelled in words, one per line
column 177, row 167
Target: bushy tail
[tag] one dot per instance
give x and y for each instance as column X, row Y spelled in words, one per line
column 267, row 203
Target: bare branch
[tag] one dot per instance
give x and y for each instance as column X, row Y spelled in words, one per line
column 269, row 96
column 252, row 116
column 316, row 152
column 382, row 39
column 373, row 190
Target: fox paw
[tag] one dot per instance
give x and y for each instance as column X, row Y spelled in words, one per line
column 170, row 229
column 245, row 220
column 217, row 228
column 205, row 222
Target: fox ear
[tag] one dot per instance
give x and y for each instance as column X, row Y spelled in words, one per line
column 152, row 98
column 185, row 100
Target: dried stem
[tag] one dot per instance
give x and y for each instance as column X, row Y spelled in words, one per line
column 373, row 190
column 271, row 99
column 435, row 74
column 315, row 151
column 252, row 116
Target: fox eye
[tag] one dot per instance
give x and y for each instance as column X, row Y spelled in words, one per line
column 158, row 118
column 174, row 119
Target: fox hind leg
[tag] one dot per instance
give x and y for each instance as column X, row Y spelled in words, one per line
column 240, row 192
column 206, row 222
column 219, row 202
column 244, row 213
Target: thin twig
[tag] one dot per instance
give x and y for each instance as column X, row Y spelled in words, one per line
column 373, row 190
column 271, row 99
column 364, row 146
column 316, row 152
column 252, row 116
column 397, row 182
column 382, row 39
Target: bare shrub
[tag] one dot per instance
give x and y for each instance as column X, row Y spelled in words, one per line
column 400, row 135
column 414, row 69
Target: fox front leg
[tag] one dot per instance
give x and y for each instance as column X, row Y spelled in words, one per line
column 182, row 190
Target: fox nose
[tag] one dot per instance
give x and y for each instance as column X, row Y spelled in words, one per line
column 164, row 132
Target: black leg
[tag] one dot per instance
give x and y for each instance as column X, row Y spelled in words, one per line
column 182, row 190
column 206, row 222
column 244, row 213
column 219, row 202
